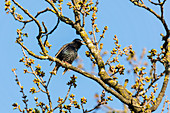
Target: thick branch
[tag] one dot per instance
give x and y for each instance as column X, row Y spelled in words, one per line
column 93, row 77
column 30, row 52
column 102, row 73
column 66, row 65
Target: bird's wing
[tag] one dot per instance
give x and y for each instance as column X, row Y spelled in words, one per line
column 59, row 52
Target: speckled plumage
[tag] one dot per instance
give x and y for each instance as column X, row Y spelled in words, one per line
column 67, row 53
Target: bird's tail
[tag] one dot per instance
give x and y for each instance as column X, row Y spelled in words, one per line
column 56, row 69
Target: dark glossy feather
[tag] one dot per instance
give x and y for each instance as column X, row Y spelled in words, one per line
column 67, row 53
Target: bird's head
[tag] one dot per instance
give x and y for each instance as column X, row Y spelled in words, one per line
column 78, row 43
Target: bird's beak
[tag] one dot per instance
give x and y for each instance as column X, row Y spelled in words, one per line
column 82, row 42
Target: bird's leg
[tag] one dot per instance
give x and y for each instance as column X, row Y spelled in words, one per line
column 65, row 68
column 66, row 62
column 65, row 71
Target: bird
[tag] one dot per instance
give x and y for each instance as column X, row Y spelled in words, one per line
column 67, row 53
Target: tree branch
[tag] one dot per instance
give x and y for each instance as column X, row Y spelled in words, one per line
column 26, row 12
column 60, row 16
column 30, row 52
column 166, row 46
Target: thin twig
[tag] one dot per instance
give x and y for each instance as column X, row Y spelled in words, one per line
column 97, row 106
column 155, row 3
column 21, row 87
column 51, row 31
column 49, row 80
column 146, row 90
column 64, row 99
column 82, row 107
column 163, row 108
column 94, row 37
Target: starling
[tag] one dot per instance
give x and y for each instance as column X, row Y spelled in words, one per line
column 67, row 53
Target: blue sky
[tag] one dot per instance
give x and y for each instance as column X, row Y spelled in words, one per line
column 132, row 25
